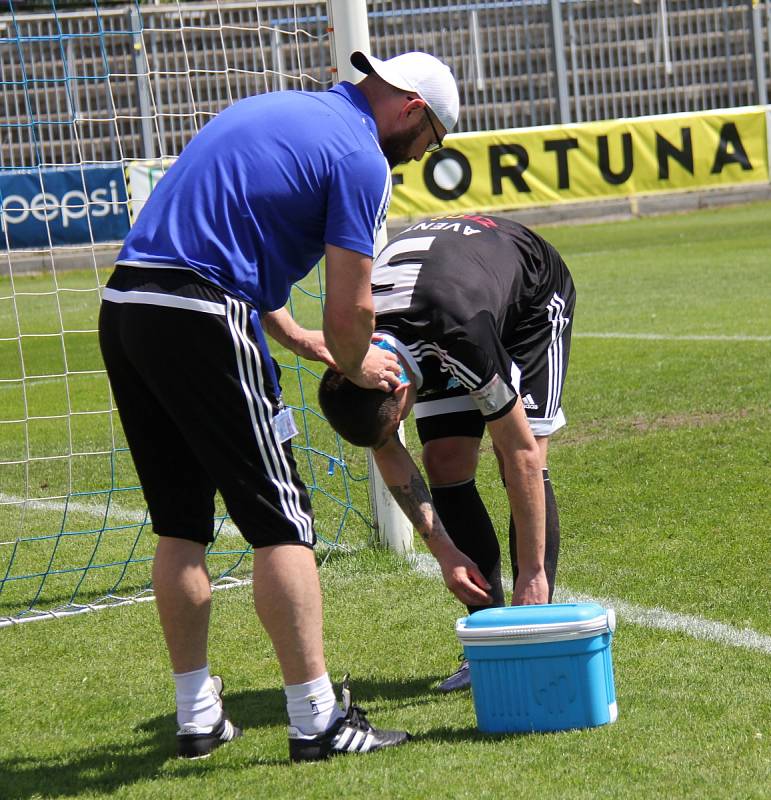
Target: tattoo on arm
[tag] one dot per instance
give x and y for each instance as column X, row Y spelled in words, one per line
column 415, row 500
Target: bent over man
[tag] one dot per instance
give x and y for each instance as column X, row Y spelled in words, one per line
column 254, row 201
column 479, row 311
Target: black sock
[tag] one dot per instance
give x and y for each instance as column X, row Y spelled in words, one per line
column 468, row 524
column 552, row 537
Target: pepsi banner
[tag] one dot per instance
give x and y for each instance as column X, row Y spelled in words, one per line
column 62, row 205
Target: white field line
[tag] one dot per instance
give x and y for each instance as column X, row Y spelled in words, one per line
column 674, row 337
column 115, row 602
column 660, row 618
column 116, row 512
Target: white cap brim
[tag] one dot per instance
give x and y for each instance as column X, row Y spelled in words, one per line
column 369, row 64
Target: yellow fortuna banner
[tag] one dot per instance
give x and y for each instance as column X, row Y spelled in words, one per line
column 594, row 160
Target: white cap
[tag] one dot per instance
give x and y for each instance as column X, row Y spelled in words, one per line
column 421, row 73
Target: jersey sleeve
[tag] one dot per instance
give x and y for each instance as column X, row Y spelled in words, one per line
column 358, row 199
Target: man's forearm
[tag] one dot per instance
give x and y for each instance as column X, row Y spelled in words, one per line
column 282, row 327
column 349, row 312
column 414, row 499
column 524, row 486
column 408, row 488
column 348, row 337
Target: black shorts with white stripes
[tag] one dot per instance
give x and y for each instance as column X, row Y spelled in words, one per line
column 196, row 403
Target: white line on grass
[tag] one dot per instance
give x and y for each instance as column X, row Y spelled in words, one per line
column 117, row 513
column 674, row 337
column 660, row 618
column 423, row 563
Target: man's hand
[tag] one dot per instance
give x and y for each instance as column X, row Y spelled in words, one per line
column 379, row 370
column 314, row 348
column 401, row 475
column 305, row 343
column 530, row 590
column 463, row 578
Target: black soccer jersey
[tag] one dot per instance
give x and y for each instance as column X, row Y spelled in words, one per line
column 464, row 293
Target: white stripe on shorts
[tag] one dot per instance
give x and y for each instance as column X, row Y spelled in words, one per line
column 559, row 322
column 447, row 405
column 161, row 299
column 249, row 360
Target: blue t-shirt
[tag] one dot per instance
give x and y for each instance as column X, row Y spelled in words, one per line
column 255, row 196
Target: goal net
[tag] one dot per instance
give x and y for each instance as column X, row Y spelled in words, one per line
column 96, row 103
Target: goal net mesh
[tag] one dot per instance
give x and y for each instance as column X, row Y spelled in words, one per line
column 96, row 104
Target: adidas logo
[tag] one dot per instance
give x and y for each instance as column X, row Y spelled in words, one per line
column 528, row 402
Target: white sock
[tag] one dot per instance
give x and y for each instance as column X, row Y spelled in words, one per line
column 312, row 706
column 197, row 701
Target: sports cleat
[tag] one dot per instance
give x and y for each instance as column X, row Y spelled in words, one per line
column 351, row 733
column 194, row 741
column 460, row 679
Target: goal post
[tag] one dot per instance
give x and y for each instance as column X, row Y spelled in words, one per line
column 350, row 32
column 85, row 97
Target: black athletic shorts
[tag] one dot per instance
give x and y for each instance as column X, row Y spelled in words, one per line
column 196, row 403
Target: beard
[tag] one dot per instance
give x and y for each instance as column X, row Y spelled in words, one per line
column 396, row 147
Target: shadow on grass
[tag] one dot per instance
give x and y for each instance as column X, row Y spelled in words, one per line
column 106, row 766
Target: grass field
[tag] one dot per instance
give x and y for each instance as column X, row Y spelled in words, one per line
column 662, row 480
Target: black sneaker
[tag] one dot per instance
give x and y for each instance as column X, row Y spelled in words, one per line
column 460, row 679
column 194, row 741
column 349, row 734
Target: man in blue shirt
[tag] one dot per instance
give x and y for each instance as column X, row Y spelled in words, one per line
column 254, row 201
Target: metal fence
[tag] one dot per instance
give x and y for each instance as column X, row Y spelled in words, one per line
column 139, row 81
column 540, row 62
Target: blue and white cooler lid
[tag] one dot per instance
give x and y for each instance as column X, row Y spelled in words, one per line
column 535, row 624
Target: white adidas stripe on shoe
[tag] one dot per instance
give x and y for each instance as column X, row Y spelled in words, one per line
column 194, row 741
column 351, row 733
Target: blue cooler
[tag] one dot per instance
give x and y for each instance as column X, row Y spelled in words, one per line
column 540, row 668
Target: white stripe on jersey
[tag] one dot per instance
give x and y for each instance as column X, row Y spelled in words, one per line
column 400, row 278
column 249, row 369
column 404, row 352
column 161, row 299
column 458, row 370
column 385, row 202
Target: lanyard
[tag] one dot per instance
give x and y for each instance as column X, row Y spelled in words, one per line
column 262, row 344
column 283, row 424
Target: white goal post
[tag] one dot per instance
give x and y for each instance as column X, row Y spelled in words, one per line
column 349, row 31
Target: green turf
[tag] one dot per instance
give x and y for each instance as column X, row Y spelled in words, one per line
column 87, row 721
column 661, row 478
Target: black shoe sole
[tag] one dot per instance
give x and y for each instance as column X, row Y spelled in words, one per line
column 202, row 745
column 310, row 751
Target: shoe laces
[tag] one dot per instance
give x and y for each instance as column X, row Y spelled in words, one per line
column 355, row 715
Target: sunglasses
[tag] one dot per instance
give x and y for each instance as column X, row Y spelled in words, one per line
column 437, row 143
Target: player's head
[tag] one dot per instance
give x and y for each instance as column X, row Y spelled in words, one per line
column 364, row 417
column 429, row 102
